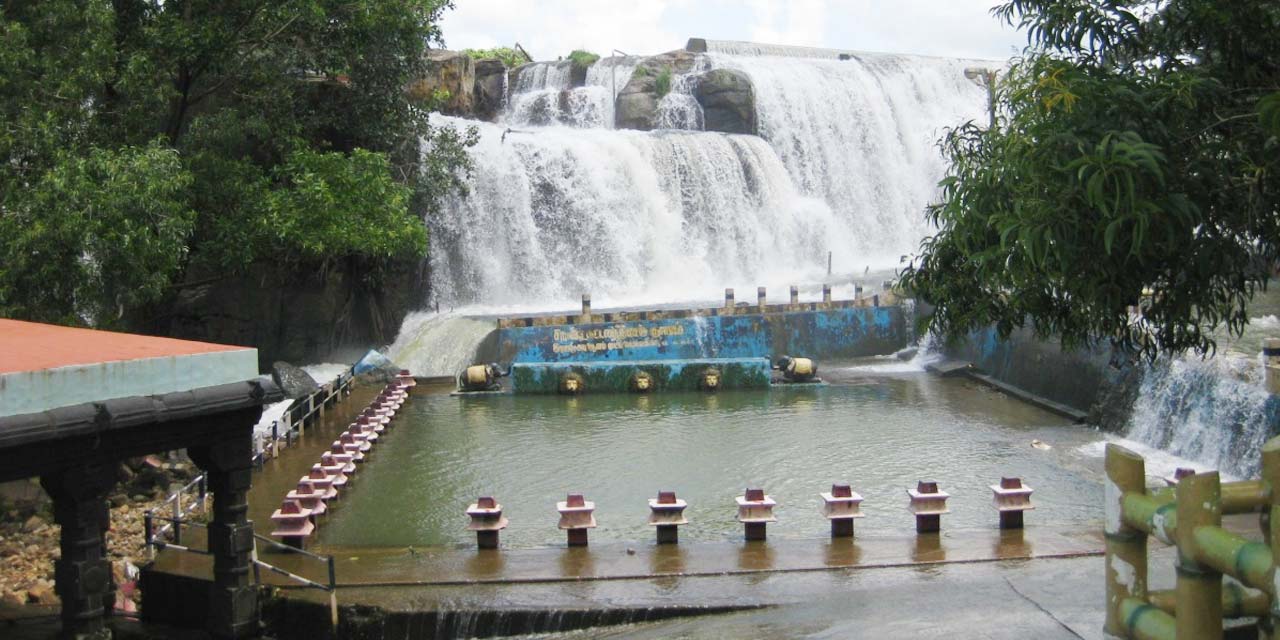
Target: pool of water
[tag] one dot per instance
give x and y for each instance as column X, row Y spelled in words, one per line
column 879, row 425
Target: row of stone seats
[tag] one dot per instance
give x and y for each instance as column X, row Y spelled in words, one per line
column 296, row 519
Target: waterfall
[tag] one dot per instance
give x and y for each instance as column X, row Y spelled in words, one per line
column 437, row 344
column 845, row 162
column 861, row 134
column 559, row 203
column 555, row 212
column 1214, row 411
column 543, row 94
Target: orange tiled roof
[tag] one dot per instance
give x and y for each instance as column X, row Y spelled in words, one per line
column 31, row 346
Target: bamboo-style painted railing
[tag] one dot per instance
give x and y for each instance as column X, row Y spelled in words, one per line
column 1189, row 516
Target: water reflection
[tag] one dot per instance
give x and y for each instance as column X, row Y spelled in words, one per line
column 756, row 555
column 667, row 558
column 841, row 552
column 486, row 564
column 1012, row 543
column 577, row 562
column 928, row 548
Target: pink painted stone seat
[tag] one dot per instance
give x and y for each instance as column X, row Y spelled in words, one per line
column 292, row 520
column 350, row 442
column 337, row 477
column 667, row 509
column 320, row 483
column 755, row 506
column 576, row 512
column 337, row 456
column 308, row 499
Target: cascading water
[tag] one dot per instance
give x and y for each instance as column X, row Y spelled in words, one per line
column 845, row 163
column 625, row 215
column 1215, row 412
column 543, row 94
column 437, row 344
column 860, row 133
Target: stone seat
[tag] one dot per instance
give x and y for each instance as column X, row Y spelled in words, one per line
column 320, row 483
column 337, row 477
column 292, row 521
column 842, row 502
column 667, row 509
column 755, row 506
column 337, row 456
column 308, row 499
column 576, row 513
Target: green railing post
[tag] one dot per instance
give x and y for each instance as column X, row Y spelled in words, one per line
column 1199, row 586
column 1271, row 478
column 1126, row 547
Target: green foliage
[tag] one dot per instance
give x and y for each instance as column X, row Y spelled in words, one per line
column 1133, row 163
column 583, row 59
column 662, row 84
column 509, row 56
column 337, row 204
column 144, row 140
column 94, row 235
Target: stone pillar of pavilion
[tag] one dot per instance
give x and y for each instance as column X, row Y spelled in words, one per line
column 83, row 574
column 233, row 606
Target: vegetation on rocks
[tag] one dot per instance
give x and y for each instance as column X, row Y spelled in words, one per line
column 662, row 83
column 509, row 56
column 1132, row 161
column 583, row 59
column 146, row 140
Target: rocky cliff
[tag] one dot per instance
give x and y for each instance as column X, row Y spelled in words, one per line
column 480, row 89
column 298, row 314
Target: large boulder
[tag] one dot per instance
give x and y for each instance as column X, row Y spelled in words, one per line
column 450, row 75
column 489, row 91
column 637, row 103
column 728, row 101
column 294, row 381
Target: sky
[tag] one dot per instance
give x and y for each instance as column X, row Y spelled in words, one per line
column 548, row 29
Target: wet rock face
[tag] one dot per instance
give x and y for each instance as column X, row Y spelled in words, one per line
column 728, row 101
column 295, row 313
column 295, row 382
column 637, row 103
column 490, row 74
column 448, row 71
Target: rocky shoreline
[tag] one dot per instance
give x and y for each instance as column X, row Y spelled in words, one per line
column 29, row 537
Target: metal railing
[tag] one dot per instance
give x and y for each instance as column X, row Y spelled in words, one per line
column 330, row 586
column 1188, row 515
column 292, row 424
column 286, row 429
column 303, row 411
column 179, row 511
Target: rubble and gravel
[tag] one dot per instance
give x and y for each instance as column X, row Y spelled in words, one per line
column 29, row 538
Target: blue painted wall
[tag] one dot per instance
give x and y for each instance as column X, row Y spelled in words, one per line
column 835, row 333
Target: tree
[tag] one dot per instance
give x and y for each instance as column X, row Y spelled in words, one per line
column 144, row 140
column 1133, row 162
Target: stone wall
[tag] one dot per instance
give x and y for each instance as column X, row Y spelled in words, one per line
column 294, row 314
column 821, row 334
column 1084, row 379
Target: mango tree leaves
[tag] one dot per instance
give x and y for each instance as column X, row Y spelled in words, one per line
column 1132, row 165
